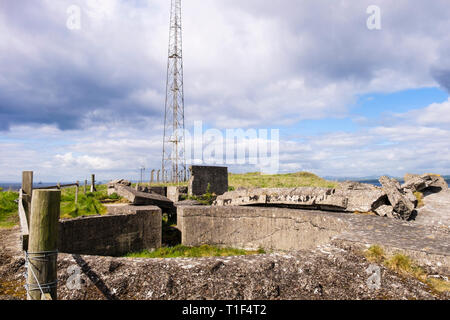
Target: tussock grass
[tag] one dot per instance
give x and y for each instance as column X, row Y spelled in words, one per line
column 181, row 251
column 405, row 266
column 290, row 180
column 375, row 254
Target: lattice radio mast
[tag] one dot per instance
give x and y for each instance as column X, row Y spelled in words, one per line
column 174, row 161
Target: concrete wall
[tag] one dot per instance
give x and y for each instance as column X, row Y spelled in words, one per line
column 126, row 229
column 158, row 190
column 253, row 228
column 174, row 192
column 201, row 176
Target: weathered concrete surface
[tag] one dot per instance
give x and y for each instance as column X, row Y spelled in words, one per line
column 202, row 176
column 436, row 209
column 343, row 199
column 287, row 229
column 253, row 228
column 158, row 190
column 127, row 229
column 143, row 198
column 174, row 193
column 111, row 185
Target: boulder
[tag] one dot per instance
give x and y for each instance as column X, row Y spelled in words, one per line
column 425, row 181
column 402, row 205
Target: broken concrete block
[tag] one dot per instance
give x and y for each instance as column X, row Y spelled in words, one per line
column 142, row 198
column 174, row 193
column 399, row 201
column 420, row 183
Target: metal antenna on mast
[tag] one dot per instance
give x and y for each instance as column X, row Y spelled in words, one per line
column 174, row 161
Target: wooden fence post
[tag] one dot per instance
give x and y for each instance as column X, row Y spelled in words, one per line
column 27, row 188
column 42, row 254
column 152, row 179
column 93, row 189
column 76, row 192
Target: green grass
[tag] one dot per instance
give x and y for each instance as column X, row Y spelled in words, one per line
column 8, row 209
column 88, row 204
column 181, row 251
column 290, row 180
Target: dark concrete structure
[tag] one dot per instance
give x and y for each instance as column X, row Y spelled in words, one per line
column 202, row 176
column 126, row 229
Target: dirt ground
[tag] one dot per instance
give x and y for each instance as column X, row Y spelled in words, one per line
column 338, row 270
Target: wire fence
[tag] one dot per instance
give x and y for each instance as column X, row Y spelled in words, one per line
column 44, row 288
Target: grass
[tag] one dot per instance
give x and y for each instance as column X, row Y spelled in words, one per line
column 8, row 209
column 181, row 251
column 404, row 265
column 290, row 180
column 88, row 204
column 375, row 254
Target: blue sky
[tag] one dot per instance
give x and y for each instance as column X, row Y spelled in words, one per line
column 348, row 101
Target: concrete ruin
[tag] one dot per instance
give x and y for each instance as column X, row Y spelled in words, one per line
column 175, row 193
column 391, row 200
column 125, row 229
column 203, row 176
column 290, row 230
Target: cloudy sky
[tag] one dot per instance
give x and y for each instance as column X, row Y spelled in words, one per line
column 348, row 101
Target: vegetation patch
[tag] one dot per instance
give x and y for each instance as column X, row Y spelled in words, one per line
column 375, row 254
column 405, row 266
column 181, row 251
column 88, row 204
column 290, row 180
column 8, row 209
